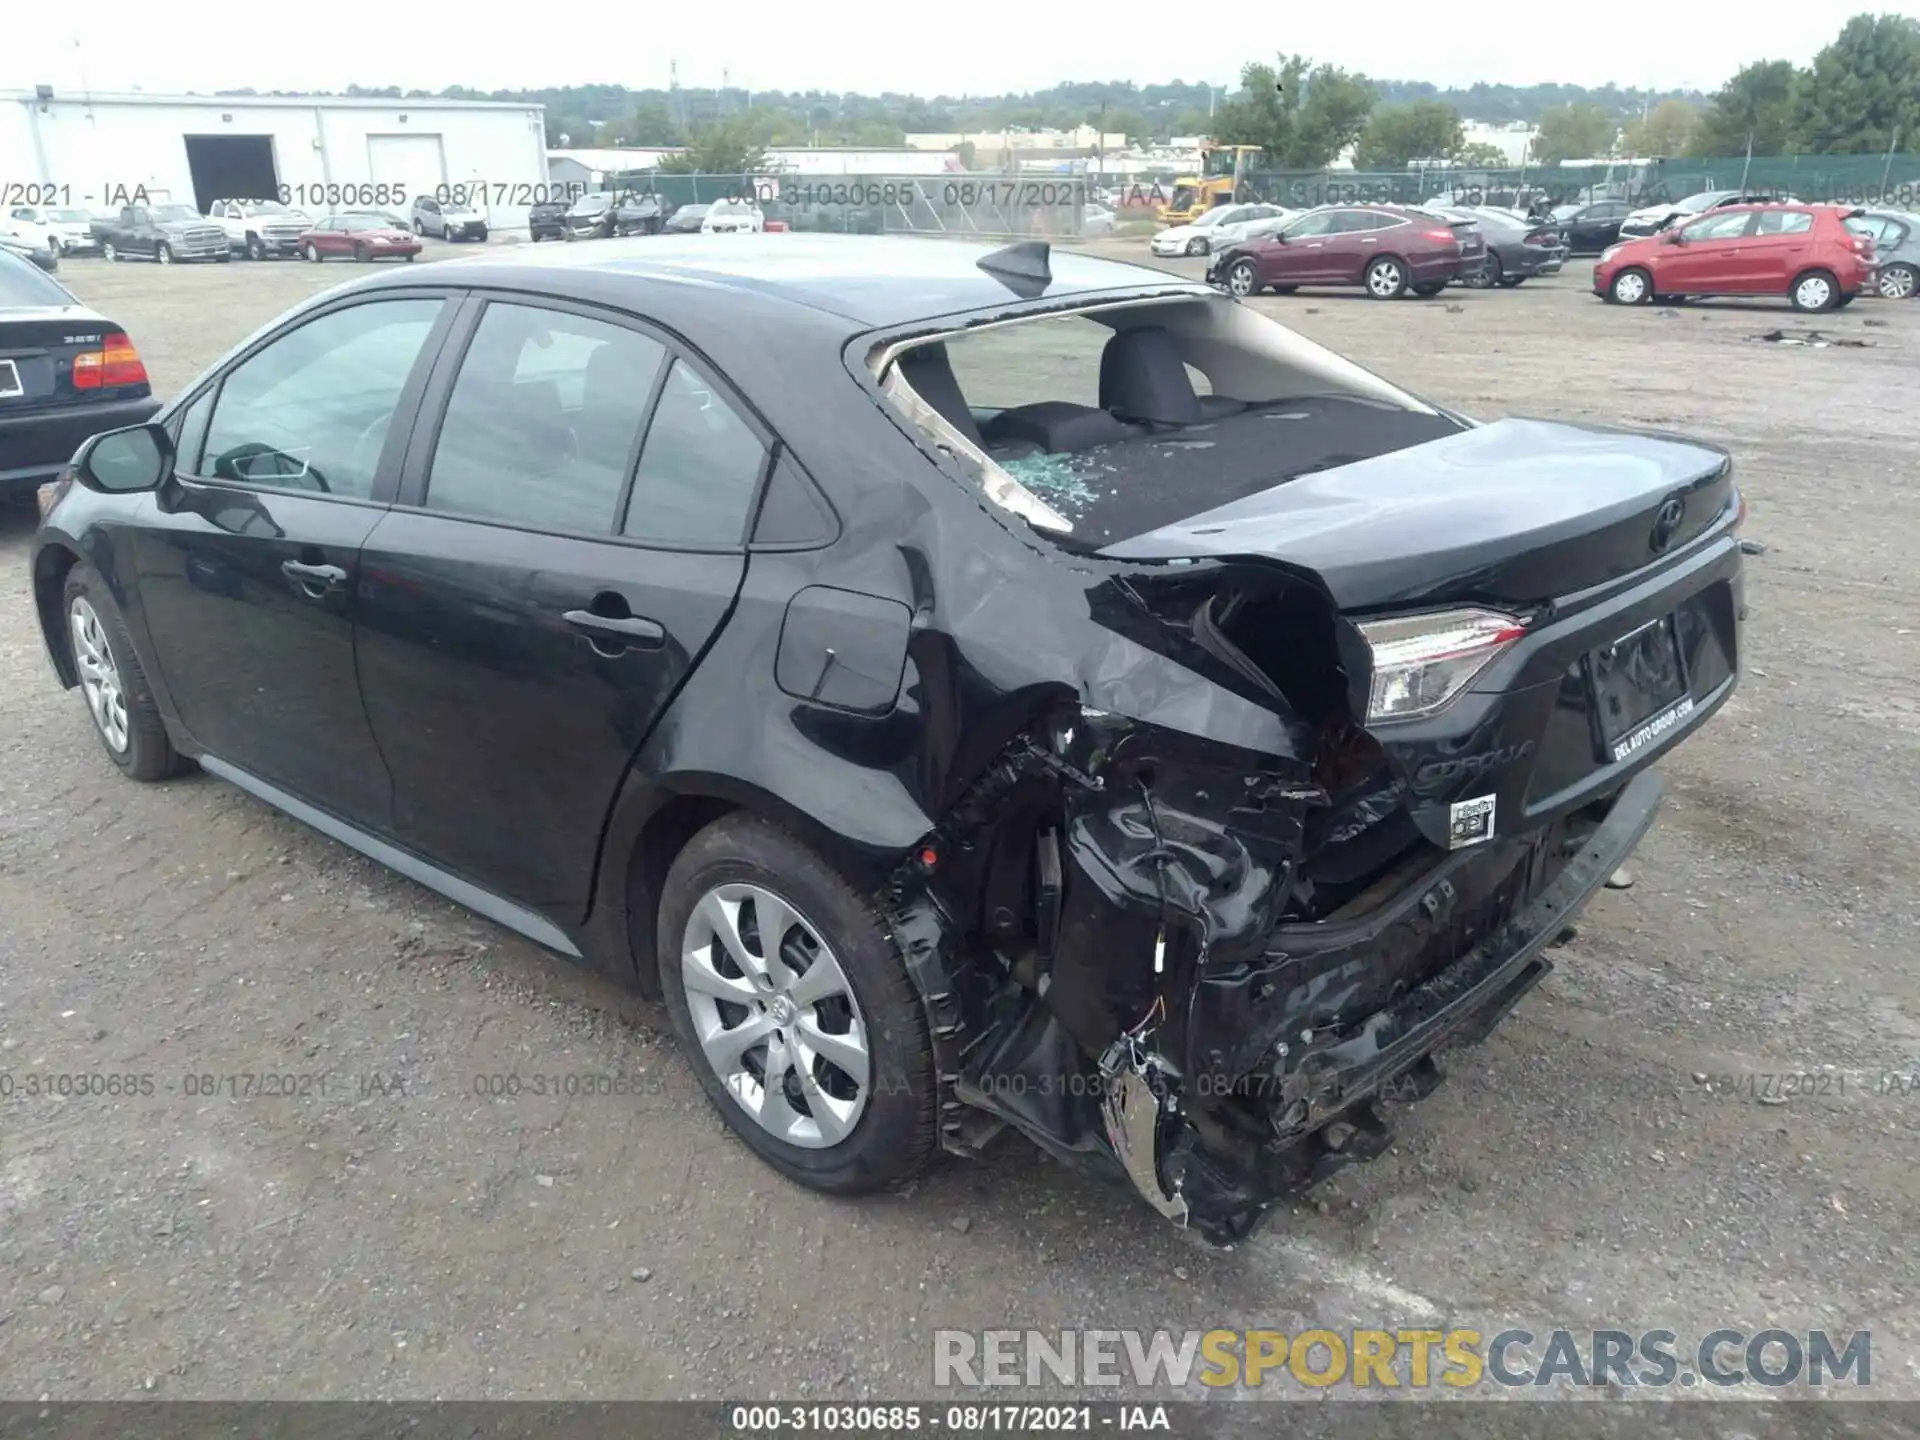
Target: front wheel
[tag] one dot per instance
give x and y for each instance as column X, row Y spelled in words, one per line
column 1196, row 246
column 109, row 253
column 313, row 252
column 1242, row 279
column 119, row 700
column 1814, row 291
column 1632, row 286
column 1898, row 282
column 163, row 253
column 1386, row 279
column 793, row 1006
column 1487, row 276
column 255, row 250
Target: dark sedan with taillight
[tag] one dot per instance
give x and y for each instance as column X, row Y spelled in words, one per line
column 358, row 237
column 1516, row 249
column 1387, row 250
column 66, row 374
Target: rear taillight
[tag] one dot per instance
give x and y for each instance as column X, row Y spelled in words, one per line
column 115, row 363
column 1863, row 245
column 1442, row 235
column 1422, row 662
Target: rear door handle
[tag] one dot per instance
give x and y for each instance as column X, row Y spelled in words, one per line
column 633, row 629
column 310, row 575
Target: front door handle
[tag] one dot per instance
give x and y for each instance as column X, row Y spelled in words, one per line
column 312, row 577
column 632, row 629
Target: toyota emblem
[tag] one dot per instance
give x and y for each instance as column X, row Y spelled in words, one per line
column 1666, row 524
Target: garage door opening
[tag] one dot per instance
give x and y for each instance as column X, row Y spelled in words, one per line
column 231, row 167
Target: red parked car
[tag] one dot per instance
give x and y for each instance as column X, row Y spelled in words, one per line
column 1804, row 252
column 363, row 237
column 1387, row 250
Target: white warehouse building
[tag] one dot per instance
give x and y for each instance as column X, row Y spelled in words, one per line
column 321, row 153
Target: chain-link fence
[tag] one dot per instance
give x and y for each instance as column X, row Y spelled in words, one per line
column 1890, row 180
column 963, row 204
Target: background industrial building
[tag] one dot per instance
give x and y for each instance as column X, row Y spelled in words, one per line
column 195, row 149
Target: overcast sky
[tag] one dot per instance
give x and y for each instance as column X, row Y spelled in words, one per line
column 877, row 45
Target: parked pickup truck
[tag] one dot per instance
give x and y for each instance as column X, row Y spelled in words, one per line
column 165, row 233
column 260, row 228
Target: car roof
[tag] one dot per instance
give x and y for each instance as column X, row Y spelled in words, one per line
column 876, row 281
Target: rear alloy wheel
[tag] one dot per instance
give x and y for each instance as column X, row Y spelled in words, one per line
column 1898, row 282
column 119, row 700
column 1632, row 286
column 1242, row 280
column 791, row 1002
column 1386, row 279
column 313, row 252
column 1814, row 291
column 163, row 253
column 1487, row 276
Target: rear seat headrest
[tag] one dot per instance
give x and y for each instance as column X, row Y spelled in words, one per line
column 1142, row 377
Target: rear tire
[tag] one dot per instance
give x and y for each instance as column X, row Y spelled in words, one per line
column 1487, row 276
column 1813, row 291
column 1632, row 286
column 1386, row 278
column 731, row 868
column 313, row 252
column 126, row 718
column 1898, row 282
column 1196, row 246
column 1512, row 282
column 1428, row 290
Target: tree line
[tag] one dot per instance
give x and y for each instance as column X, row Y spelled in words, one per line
column 1860, row 95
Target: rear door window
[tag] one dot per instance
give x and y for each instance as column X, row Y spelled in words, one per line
column 543, row 419
column 1785, row 222
column 699, row 468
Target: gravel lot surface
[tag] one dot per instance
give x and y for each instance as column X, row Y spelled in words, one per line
column 392, row 1231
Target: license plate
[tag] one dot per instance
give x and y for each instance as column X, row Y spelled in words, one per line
column 10, row 385
column 1640, row 690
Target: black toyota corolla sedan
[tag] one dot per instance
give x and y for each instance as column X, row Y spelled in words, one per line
column 974, row 688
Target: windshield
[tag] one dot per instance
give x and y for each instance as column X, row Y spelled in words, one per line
column 70, row 217
column 22, row 284
column 175, row 212
column 730, row 207
column 266, row 207
column 1184, row 196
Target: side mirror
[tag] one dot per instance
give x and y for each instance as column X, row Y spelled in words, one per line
column 1672, row 237
column 125, row 462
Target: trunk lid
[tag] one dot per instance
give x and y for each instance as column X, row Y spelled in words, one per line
column 40, row 343
column 1516, row 511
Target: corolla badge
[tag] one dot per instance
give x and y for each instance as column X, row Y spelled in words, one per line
column 1666, row 523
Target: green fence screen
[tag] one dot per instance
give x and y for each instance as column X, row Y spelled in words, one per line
column 991, row 206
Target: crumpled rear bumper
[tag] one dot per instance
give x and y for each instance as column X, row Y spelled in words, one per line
column 1312, row 1091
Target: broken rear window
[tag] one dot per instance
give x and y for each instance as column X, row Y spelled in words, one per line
column 1104, row 423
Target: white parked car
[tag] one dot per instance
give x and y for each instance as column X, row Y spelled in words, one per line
column 1222, row 225
column 259, row 228
column 60, row 229
column 726, row 217
column 1096, row 221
